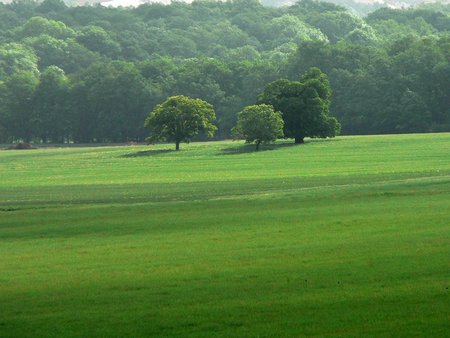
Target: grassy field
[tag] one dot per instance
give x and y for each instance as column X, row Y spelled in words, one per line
column 342, row 238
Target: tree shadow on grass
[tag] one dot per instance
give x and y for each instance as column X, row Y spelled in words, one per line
column 147, row 153
column 251, row 148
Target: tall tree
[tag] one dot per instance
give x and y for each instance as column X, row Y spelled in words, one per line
column 16, row 105
column 50, row 109
column 304, row 105
column 112, row 101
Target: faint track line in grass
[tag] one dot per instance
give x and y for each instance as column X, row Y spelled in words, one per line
column 268, row 192
column 331, row 186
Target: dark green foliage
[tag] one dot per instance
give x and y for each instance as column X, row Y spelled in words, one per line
column 369, row 82
column 436, row 19
column 98, row 40
column 116, row 99
column 49, row 109
column 304, row 105
column 68, row 54
column 227, row 53
column 41, row 26
column 49, row 6
column 8, row 19
column 180, row 119
column 16, row 105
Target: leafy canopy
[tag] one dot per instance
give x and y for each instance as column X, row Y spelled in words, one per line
column 180, row 119
column 304, row 105
column 259, row 124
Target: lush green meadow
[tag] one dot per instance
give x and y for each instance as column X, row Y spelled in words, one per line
column 345, row 237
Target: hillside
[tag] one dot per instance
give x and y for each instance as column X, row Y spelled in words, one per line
column 93, row 74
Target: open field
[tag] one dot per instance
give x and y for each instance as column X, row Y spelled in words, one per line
column 342, row 238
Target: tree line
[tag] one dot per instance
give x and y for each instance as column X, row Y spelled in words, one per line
column 296, row 109
column 93, row 74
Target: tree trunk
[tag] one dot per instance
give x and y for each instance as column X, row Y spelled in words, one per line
column 257, row 145
column 299, row 140
column 177, row 145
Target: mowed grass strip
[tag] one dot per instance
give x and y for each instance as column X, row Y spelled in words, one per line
column 357, row 253
column 226, row 161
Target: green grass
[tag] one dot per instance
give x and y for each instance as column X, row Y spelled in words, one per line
column 342, row 238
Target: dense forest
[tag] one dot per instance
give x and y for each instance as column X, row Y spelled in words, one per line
column 93, row 74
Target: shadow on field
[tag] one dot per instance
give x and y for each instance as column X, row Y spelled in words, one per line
column 250, row 148
column 143, row 153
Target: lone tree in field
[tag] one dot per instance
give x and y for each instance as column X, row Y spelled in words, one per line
column 304, row 105
column 259, row 124
column 180, row 119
